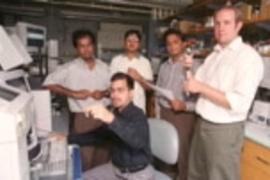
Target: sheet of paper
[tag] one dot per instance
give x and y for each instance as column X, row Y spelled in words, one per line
column 161, row 91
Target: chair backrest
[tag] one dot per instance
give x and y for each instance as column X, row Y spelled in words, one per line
column 164, row 140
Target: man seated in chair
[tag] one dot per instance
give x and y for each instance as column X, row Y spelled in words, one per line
column 127, row 128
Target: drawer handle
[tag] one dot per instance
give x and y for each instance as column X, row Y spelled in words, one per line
column 263, row 161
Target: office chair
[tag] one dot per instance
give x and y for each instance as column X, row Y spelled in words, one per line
column 164, row 144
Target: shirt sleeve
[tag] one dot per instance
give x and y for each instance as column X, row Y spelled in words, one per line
column 160, row 74
column 90, row 138
column 248, row 77
column 147, row 72
column 58, row 76
column 133, row 131
column 159, row 80
column 114, row 66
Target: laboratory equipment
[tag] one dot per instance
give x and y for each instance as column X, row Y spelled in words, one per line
column 19, row 144
column 16, row 78
column 260, row 113
column 10, row 57
column 16, row 116
column 32, row 36
column 265, row 83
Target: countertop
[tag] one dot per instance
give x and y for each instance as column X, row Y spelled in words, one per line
column 258, row 133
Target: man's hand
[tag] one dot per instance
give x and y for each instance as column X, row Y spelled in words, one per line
column 100, row 112
column 192, row 85
column 81, row 94
column 178, row 105
column 98, row 94
column 57, row 136
column 134, row 74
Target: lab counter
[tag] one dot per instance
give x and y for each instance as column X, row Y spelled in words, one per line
column 258, row 133
column 255, row 158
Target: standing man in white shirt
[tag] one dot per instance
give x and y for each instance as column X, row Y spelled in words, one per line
column 84, row 81
column 135, row 65
column 227, row 83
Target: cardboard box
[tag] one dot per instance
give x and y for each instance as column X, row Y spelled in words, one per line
column 246, row 11
column 184, row 26
column 187, row 26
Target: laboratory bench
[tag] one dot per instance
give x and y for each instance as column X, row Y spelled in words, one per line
column 255, row 159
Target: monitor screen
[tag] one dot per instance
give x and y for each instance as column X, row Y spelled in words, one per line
column 7, row 94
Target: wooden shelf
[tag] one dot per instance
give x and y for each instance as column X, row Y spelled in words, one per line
column 246, row 23
column 198, row 8
column 204, row 8
column 254, row 21
column 201, row 31
column 265, row 55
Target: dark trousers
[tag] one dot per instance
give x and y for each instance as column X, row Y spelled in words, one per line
column 92, row 156
column 185, row 123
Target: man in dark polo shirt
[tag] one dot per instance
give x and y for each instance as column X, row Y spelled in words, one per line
column 128, row 130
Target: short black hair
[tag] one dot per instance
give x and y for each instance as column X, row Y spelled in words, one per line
column 133, row 32
column 123, row 76
column 173, row 32
column 81, row 33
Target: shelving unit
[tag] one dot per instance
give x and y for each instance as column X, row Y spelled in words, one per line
column 256, row 25
column 246, row 23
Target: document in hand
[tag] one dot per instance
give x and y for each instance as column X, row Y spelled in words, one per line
column 161, row 91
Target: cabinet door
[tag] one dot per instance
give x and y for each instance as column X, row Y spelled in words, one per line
column 257, row 155
column 255, row 162
column 251, row 172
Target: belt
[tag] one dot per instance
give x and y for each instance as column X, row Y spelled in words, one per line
column 131, row 169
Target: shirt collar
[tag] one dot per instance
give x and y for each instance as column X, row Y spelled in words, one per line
column 234, row 45
column 83, row 63
column 138, row 56
column 126, row 109
column 170, row 61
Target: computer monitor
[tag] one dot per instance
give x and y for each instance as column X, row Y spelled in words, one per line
column 32, row 36
column 10, row 57
column 27, row 59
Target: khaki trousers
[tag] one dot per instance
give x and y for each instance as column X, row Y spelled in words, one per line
column 215, row 151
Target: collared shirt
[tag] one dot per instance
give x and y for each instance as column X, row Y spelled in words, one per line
column 121, row 63
column 76, row 75
column 235, row 70
column 129, row 133
column 172, row 76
